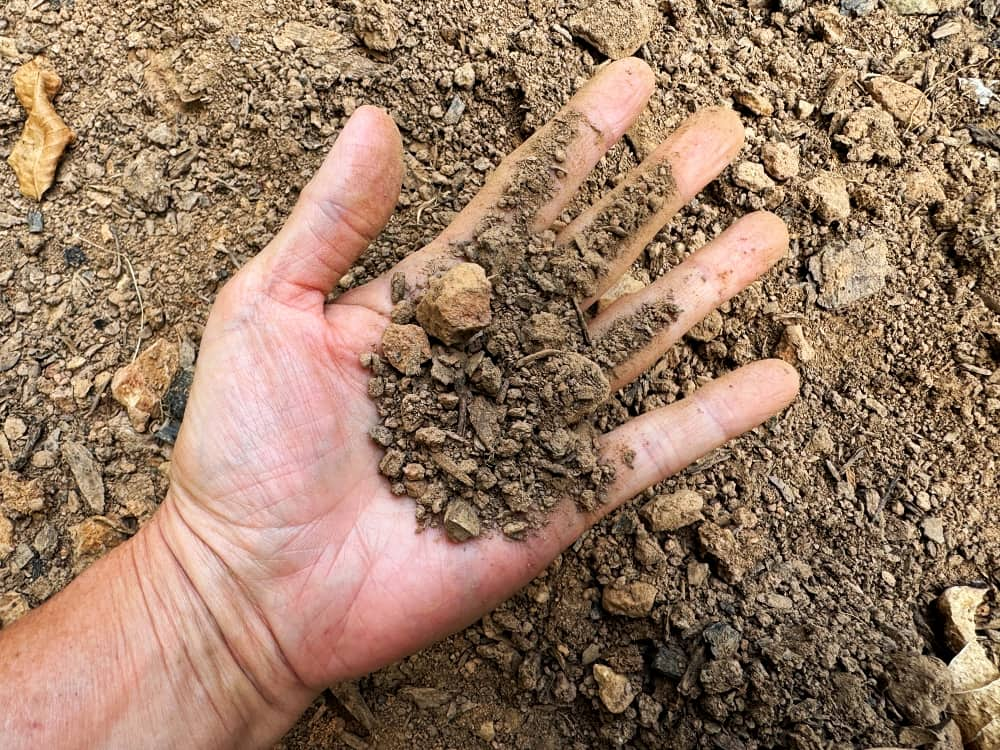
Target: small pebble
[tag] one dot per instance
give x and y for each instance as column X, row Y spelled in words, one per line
column 36, row 222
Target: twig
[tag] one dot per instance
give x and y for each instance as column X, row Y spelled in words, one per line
column 583, row 322
column 122, row 257
column 536, row 356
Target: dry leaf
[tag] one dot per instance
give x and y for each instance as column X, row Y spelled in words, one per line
column 975, row 704
column 36, row 154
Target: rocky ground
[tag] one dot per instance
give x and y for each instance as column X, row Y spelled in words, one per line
column 787, row 601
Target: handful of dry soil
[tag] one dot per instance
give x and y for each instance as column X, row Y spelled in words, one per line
column 487, row 378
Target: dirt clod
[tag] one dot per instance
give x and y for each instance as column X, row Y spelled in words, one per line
column 140, row 386
column 673, row 511
column 617, row 28
column 456, row 304
column 614, row 690
column 920, row 689
column 633, row 599
column 406, row 347
column 827, row 194
column 461, row 521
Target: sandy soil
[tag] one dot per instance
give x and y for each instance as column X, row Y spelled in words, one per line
column 783, row 616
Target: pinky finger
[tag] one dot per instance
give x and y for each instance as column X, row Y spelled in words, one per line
column 656, row 445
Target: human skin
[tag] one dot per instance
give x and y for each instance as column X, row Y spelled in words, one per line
column 280, row 562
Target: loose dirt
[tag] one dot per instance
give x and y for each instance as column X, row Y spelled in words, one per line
column 791, row 610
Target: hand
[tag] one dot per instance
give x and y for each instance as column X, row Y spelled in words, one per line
column 275, row 492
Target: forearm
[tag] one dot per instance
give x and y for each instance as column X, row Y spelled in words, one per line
column 133, row 654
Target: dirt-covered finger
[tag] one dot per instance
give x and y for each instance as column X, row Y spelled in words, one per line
column 635, row 331
column 607, row 238
column 657, row 445
column 534, row 183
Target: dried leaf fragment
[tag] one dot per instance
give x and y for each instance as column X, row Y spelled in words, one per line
column 36, row 154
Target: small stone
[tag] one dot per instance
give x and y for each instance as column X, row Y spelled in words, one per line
column 754, row 101
column 406, row 347
column 87, row 474
column 673, row 511
column 827, row 195
column 933, row 529
column 780, row 160
column 721, row 676
column 804, row 108
column 377, row 25
column 6, row 537
column 857, row 7
column 707, row 329
column 920, row 688
column 616, row 28
column 634, row 599
column 455, row 111
column 848, row 273
column 36, row 222
column 723, row 640
column 461, row 522
column 721, row 544
column 14, row 428
column 465, row 76
column 487, row 731
column 921, row 188
column 45, row 540
column 750, row 176
column 93, row 537
column 697, row 573
column 162, row 135
column 627, row 284
column 431, row 437
column 924, row 7
column 12, row 606
column 456, row 304
column 20, row 497
column 140, row 386
column 614, row 690
column 907, row 104
column 670, row 662
column 391, row 464
column 794, row 347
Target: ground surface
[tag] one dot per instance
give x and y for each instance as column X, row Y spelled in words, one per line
column 197, row 124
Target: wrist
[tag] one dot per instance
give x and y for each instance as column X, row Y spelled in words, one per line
column 215, row 644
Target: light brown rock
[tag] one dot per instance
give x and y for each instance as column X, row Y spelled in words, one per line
column 19, row 496
column 461, row 522
column 406, row 347
column 12, row 606
column 617, row 28
column 907, row 104
column 847, row 273
column 708, row 328
column 922, row 187
column 456, row 304
column 924, row 7
column 827, row 195
column 794, row 347
column 751, row 176
column 140, row 386
column 6, row 537
column 614, row 690
column 780, row 160
column 87, row 474
column 377, row 25
column 634, row 599
column 93, row 537
column 755, row 101
column 673, row 511
column 719, row 543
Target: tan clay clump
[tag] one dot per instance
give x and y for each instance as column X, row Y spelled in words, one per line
column 36, row 154
column 457, row 304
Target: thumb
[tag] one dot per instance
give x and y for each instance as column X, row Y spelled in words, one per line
column 340, row 212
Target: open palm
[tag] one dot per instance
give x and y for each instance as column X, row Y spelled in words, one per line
column 274, row 473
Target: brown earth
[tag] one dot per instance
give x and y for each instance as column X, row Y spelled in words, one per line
column 791, row 614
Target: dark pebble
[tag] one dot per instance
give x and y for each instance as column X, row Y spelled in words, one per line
column 722, row 639
column 74, row 256
column 670, row 662
column 36, row 223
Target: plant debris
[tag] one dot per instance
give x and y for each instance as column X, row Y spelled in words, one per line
column 35, row 157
